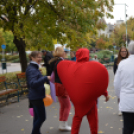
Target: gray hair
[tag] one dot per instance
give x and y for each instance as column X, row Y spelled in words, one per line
column 131, row 47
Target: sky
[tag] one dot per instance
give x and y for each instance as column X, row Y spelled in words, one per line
column 119, row 10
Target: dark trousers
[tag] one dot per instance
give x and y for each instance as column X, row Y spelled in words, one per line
column 39, row 117
column 128, row 123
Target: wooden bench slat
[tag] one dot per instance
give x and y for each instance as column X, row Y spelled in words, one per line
column 7, row 91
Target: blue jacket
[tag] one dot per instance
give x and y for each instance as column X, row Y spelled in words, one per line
column 35, row 82
column 73, row 59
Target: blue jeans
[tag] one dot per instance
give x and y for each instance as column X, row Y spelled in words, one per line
column 39, row 117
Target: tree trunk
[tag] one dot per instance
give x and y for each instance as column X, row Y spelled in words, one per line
column 20, row 44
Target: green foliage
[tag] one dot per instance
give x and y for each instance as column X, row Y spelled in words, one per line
column 35, row 23
column 39, row 22
column 8, row 36
column 2, row 40
column 103, row 55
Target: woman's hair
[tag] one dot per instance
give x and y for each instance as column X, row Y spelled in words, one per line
column 34, row 54
column 119, row 55
column 58, row 52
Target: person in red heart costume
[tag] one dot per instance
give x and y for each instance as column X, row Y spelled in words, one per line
column 84, row 81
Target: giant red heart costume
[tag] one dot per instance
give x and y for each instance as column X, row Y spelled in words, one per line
column 84, row 81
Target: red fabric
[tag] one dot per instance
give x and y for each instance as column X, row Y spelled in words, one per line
column 84, row 81
column 65, row 107
column 92, row 117
column 60, row 90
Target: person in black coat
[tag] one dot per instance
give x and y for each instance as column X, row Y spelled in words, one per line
column 35, row 83
column 47, row 57
column 123, row 54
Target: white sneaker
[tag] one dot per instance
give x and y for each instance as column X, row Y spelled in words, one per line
column 60, row 125
column 64, row 126
column 120, row 113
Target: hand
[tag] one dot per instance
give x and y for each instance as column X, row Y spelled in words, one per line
column 107, row 98
column 48, row 77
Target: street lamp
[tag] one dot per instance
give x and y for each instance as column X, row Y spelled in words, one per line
column 125, row 17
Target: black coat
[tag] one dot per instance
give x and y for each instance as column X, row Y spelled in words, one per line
column 35, row 82
column 46, row 62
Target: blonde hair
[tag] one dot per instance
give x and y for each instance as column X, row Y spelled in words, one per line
column 58, row 52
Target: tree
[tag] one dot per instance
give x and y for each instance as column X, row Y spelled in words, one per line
column 8, row 36
column 119, row 34
column 66, row 21
column 101, row 44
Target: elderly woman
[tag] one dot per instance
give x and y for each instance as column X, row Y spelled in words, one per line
column 35, row 82
column 124, row 88
column 61, row 93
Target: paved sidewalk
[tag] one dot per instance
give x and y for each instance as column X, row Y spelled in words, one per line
column 15, row 118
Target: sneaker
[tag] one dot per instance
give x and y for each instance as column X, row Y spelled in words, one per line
column 64, row 126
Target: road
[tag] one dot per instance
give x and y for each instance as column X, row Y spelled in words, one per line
column 11, row 67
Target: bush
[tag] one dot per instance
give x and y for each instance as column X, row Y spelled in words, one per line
column 104, row 56
column 16, row 61
column 13, row 57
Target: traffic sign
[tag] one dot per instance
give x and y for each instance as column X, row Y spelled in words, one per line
column 3, row 46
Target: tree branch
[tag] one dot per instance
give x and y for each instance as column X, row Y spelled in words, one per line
column 28, row 7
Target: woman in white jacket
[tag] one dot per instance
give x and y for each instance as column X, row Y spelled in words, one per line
column 124, row 89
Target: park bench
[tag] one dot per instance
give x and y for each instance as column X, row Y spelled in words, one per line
column 22, row 81
column 8, row 91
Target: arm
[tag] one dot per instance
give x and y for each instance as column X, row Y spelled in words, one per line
column 117, row 83
column 34, row 81
column 105, row 93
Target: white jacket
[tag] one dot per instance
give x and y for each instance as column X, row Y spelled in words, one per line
column 124, row 84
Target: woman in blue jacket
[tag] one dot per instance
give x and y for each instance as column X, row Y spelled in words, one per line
column 35, row 83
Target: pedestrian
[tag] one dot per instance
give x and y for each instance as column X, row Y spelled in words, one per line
column 72, row 55
column 61, row 93
column 95, row 58
column 124, row 89
column 47, row 56
column 66, row 52
column 123, row 54
column 35, row 83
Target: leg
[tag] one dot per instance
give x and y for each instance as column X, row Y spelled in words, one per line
column 40, row 117
column 61, row 109
column 67, row 106
column 92, row 117
column 128, row 127
column 76, row 124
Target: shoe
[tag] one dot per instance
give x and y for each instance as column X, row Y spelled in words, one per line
column 64, row 126
column 60, row 125
column 120, row 113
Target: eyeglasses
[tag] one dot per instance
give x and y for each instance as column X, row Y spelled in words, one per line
column 123, row 51
column 39, row 57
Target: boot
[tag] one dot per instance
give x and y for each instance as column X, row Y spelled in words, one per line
column 65, row 126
